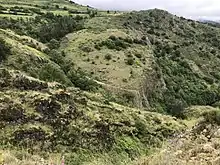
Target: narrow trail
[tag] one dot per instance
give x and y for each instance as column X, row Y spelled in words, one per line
column 138, row 97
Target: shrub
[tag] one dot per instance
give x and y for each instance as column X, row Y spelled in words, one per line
column 53, row 44
column 51, row 72
column 138, row 55
column 4, row 50
column 93, row 14
column 176, row 108
column 81, row 80
column 114, row 43
column 98, row 47
column 56, row 26
column 130, row 61
column 56, row 57
column 108, row 57
column 128, row 40
column 113, row 38
column 209, row 80
column 86, row 49
column 212, row 116
column 128, row 97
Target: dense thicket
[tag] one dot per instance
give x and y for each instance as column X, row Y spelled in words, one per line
column 44, row 27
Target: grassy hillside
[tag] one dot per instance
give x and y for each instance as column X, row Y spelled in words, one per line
column 42, row 118
column 104, row 87
column 186, row 56
column 28, row 9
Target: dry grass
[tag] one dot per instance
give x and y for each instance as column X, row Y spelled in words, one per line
column 23, row 158
column 197, row 146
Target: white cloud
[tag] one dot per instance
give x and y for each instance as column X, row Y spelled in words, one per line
column 209, row 9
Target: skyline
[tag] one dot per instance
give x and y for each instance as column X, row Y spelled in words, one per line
column 196, row 9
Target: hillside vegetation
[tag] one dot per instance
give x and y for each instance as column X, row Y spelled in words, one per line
column 106, row 87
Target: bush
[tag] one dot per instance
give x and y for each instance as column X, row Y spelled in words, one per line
column 130, row 61
column 114, row 43
column 176, row 108
column 128, row 40
column 138, row 55
column 212, row 116
column 128, row 97
column 56, row 57
column 86, row 49
column 51, row 72
column 98, row 47
column 108, row 57
column 209, row 80
column 54, row 44
column 81, row 80
column 113, row 38
column 4, row 50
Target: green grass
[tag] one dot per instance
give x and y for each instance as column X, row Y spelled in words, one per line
column 51, row 6
column 110, row 133
column 113, row 71
column 139, row 63
column 15, row 16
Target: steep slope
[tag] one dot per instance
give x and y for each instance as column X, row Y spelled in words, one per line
column 42, row 117
column 86, row 84
column 170, row 61
column 27, row 56
column 111, row 58
column 186, row 55
column 198, row 145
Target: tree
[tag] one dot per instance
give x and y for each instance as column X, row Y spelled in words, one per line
column 176, row 108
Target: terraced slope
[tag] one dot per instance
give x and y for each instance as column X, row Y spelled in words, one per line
column 28, row 9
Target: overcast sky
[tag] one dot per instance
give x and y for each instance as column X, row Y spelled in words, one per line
column 195, row 9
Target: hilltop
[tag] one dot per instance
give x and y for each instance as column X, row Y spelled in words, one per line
column 105, row 87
